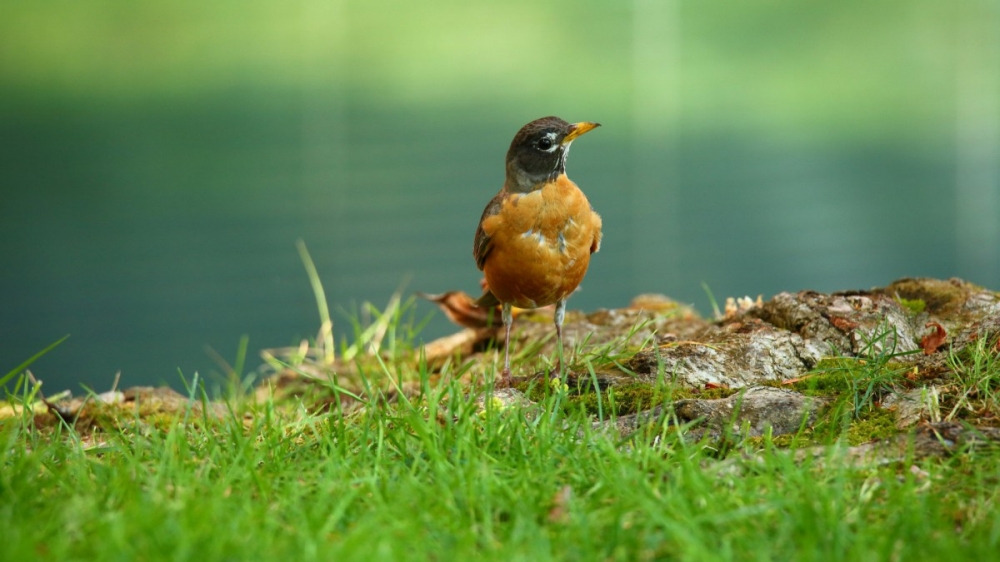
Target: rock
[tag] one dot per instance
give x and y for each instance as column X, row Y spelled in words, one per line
column 737, row 355
column 966, row 311
column 503, row 398
column 751, row 413
column 853, row 324
column 786, row 336
column 807, row 315
column 929, row 440
column 755, row 347
column 910, row 406
column 646, row 320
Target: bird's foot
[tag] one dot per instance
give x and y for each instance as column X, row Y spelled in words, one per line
column 504, row 380
column 554, row 378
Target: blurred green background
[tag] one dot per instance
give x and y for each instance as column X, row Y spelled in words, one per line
column 159, row 160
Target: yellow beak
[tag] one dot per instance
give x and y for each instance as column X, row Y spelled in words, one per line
column 578, row 129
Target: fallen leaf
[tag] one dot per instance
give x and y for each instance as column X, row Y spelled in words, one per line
column 843, row 324
column 461, row 309
column 931, row 342
column 797, row 379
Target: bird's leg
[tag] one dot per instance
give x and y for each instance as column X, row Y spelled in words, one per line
column 508, row 319
column 560, row 315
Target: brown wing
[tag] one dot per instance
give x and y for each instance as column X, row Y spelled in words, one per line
column 481, row 246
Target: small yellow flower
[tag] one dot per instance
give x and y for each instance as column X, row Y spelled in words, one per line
column 558, row 385
column 496, row 404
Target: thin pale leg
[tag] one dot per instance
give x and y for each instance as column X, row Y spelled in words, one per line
column 560, row 315
column 508, row 319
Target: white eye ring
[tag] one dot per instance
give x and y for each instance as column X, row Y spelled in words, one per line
column 550, row 139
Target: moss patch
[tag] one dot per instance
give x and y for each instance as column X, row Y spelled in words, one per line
column 621, row 399
column 873, row 424
column 834, row 375
column 940, row 297
column 140, row 409
column 915, row 306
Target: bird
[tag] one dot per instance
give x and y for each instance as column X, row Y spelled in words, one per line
column 535, row 237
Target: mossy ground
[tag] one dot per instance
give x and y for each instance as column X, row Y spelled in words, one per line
column 391, row 461
column 619, row 400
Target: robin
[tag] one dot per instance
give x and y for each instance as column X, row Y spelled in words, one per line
column 536, row 235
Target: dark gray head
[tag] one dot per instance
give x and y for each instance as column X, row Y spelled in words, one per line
column 538, row 152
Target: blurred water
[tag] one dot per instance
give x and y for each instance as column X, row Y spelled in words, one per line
column 150, row 230
column 149, row 237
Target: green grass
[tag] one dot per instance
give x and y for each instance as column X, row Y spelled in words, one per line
column 427, row 475
column 435, row 479
column 977, row 372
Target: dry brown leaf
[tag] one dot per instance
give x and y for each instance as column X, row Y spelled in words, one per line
column 794, row 380
column 843, row 324
column 932, row 341
column 461, row 309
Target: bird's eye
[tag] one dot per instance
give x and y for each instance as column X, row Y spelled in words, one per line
column 545, row 143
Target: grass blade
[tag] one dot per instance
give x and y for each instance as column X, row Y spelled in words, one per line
column 27, row 363
column 326, row 325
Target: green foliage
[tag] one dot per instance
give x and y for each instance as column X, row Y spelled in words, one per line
column 436, row 472
column 860, row 381
column 27, row 363
column 433, row 477
column 620, row 399
column 431, row 474
column 916, row 306
column 977, row 373
column 876, row 424
column 855, row 387
column 368, row 50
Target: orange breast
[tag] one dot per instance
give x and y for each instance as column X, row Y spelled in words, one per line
column 541, row 244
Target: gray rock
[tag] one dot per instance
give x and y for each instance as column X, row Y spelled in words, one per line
column 751, row 413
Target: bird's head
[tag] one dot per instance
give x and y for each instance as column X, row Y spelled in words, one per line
column 538, row 152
